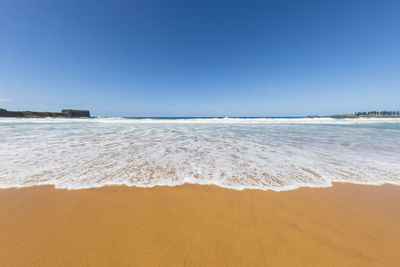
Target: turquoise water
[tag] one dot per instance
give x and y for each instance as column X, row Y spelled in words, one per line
column 238, row 153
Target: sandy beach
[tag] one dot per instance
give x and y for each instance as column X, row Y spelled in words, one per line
column 194, row 225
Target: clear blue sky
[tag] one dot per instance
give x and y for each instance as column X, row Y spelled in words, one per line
column 200, row 58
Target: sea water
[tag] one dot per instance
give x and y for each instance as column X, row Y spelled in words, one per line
column 238, row 153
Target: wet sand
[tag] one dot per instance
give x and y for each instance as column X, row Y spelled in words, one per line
column 193, row 225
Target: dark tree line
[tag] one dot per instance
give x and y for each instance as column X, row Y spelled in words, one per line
column 378, row 113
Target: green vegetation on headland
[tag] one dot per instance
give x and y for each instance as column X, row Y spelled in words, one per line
column 65, row 113
column 374, row 114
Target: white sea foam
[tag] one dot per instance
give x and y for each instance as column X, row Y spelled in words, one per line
column 238, row 153
column 323, row 120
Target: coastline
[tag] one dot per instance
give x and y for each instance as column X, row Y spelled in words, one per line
column 346, row 224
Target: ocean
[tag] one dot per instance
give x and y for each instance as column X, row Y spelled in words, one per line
column 237, row 153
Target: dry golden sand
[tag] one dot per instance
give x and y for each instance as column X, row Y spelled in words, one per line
column 193, row 225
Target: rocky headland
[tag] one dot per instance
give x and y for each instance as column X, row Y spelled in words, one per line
column 65, row 113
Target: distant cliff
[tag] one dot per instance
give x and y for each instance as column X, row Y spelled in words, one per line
column 65, row 113
column 368, row 114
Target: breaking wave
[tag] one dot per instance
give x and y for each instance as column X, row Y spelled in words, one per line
column 238, row 153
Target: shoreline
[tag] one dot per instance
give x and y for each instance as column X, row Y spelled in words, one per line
column 333, row 183
column 346, row 224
